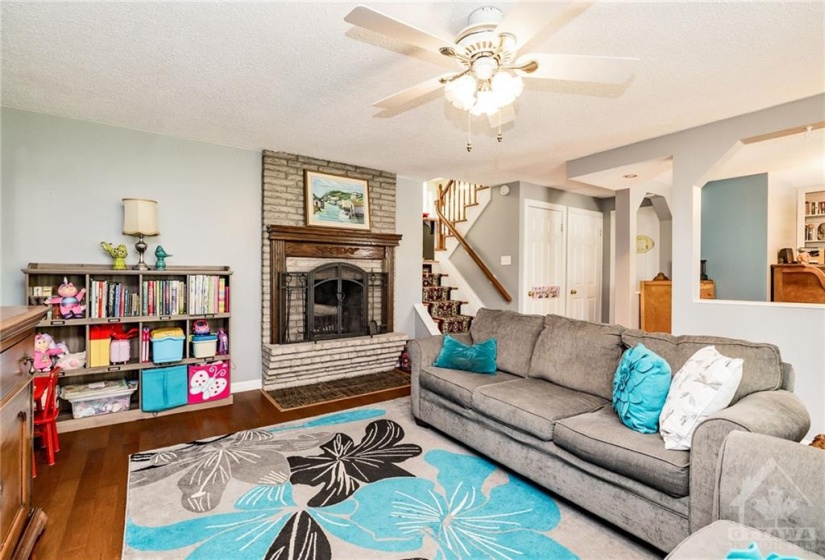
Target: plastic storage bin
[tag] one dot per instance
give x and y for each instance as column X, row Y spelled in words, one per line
column 102, row 397
column 167, row 345
column 204, row 345
column 163, row 388
column 120, row 351
column 208, row 382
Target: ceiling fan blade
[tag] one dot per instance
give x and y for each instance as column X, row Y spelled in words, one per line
column 507, row 113
column 582, row 68
column 525, row 20
column 372, row 20
column 409, row 94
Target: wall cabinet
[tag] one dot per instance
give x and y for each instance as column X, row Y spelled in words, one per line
column 133, row 301
column 16, row 348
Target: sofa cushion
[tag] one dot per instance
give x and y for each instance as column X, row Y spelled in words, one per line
column 704, row 386
column 515, row 336
column 640, row 389
column 533, row 405
column 761, row 370
column 456, row 385
column 477, row 358
column 601, row 438
column 578, row 355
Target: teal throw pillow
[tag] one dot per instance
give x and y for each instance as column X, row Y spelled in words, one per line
column 478, row 358
column 640, row 389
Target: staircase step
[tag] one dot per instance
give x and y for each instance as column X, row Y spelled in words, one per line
column 444, row 308
column 436, row 293
column 455, row 324
column 431, row 279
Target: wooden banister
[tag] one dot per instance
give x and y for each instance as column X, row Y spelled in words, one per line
column 455, row 206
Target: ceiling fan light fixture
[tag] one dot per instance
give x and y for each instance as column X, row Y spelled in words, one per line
column 461, row 92
column 486, row 104
column 507, row 87
column 484, row 67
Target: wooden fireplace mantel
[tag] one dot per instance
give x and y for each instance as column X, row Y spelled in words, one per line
column 332, row 243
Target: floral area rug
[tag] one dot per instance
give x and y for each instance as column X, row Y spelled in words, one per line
column 360, row 484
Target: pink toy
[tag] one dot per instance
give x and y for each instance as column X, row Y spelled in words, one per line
column 69, row 299
column 223, row 342
column 44, row 348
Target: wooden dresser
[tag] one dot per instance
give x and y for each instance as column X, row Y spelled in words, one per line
column 655, row 303
column 16, row 348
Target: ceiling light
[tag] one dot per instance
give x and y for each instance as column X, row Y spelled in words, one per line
column 630, row 176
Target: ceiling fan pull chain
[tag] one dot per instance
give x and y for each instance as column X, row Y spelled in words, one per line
column 499, row 137
column 469, row 132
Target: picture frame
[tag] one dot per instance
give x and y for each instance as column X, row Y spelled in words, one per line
column 336, row 201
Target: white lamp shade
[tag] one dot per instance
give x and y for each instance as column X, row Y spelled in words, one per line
column 140, row 216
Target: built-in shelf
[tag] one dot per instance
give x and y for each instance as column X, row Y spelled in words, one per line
column 65, row 422
column 131, row 366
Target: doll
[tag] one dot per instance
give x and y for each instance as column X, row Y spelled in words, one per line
column 44, row 349
column 69, row 299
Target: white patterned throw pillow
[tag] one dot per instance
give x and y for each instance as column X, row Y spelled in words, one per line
column 705, row 385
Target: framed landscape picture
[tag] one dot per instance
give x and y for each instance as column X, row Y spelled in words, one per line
column 336, row 201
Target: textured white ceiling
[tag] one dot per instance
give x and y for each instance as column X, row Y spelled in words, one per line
column 296, row 77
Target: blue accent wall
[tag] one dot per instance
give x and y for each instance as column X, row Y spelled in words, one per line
column 735, row 236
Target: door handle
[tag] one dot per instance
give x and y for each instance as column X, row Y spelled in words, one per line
column 574, row 292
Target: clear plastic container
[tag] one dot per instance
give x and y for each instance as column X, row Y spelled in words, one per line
column 102, row 397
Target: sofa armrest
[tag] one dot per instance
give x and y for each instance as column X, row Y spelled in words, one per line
column 775, row 413
column 774, row 485
column 423, row 352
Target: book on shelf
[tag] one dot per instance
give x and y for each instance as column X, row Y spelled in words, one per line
column 163, row 297
column 208, row 294
column 112, row 299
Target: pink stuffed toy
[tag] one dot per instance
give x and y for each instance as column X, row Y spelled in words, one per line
column 44, row 349
column 69, row 299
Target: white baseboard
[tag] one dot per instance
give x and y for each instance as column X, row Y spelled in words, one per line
column 241, row 386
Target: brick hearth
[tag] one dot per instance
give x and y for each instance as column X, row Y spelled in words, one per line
column 290, row 365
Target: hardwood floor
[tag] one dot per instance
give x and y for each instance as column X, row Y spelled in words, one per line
column 84, row 492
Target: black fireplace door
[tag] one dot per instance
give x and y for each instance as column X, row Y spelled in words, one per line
column 336, row 301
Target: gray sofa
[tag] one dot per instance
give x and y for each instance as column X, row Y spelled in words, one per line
column 546, row 414
column 768, row 491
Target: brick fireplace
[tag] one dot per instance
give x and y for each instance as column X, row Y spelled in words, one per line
column 327, row 292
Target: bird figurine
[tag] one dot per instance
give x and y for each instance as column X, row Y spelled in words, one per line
column 118, row 253
column 161, row 255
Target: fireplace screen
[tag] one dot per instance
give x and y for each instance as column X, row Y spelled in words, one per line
column 335, row 300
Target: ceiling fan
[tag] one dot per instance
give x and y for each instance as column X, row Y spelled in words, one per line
column 490, row 57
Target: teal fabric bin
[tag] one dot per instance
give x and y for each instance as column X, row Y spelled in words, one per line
column 163, row 388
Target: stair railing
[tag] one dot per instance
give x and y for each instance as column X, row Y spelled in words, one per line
column 451, row 207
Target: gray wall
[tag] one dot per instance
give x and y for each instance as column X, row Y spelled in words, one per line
column 63, row 181
column 735, row 237
column 497, row 233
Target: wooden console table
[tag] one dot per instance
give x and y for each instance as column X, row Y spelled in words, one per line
column 797, row 283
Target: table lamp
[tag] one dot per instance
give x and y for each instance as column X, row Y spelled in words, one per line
column 140, row 217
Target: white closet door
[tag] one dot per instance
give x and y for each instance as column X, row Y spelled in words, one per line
column 543, row 281
column 584, row 265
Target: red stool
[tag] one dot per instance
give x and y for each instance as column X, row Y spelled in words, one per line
column 45, row 415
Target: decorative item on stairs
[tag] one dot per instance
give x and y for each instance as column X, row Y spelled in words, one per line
column 161, row 256
column 117, row 253
column 140, row 218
